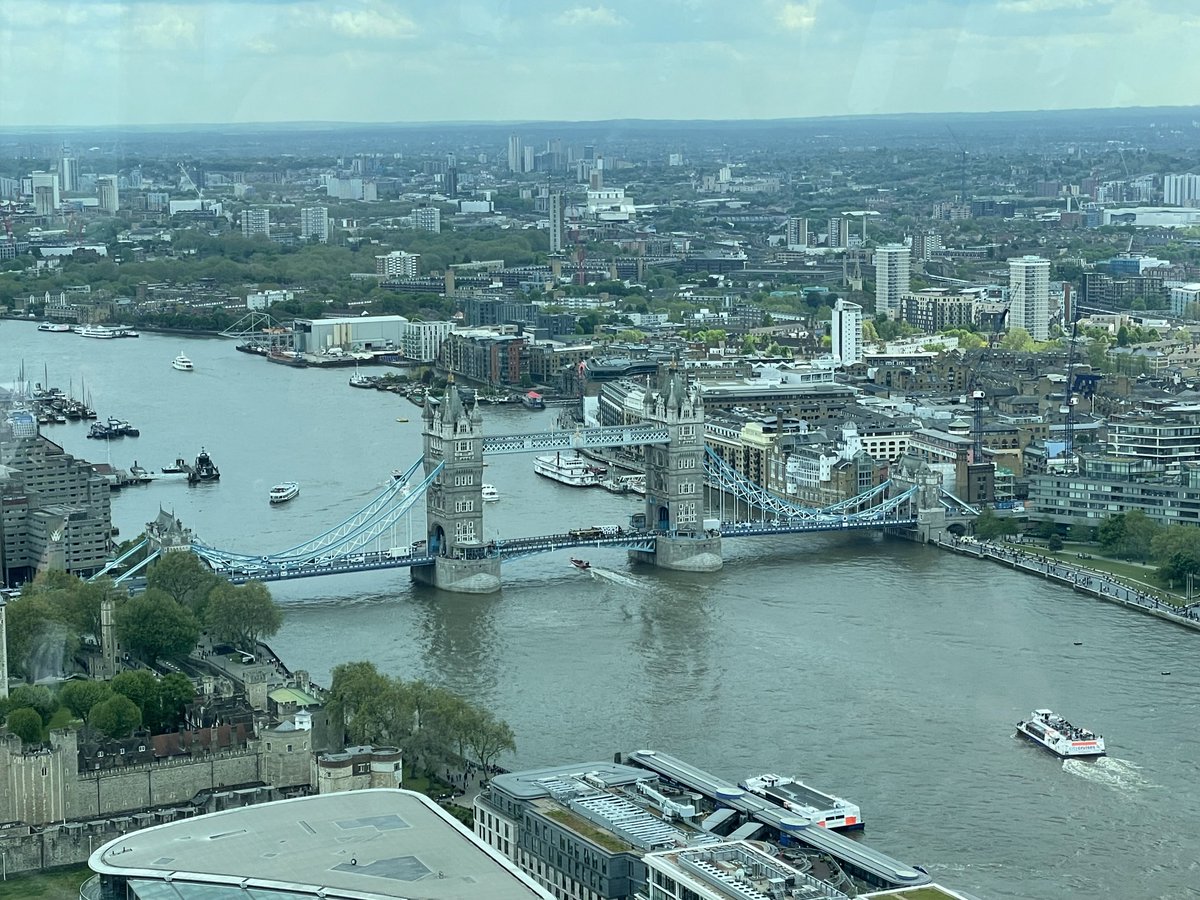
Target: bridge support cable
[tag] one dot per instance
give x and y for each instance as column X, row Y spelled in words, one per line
column 120, row 559
column 369, row 524
column 956, row 504
column 145, row 562
column 728, row 480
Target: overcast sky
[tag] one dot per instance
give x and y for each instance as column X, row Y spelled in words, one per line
column 91, row 62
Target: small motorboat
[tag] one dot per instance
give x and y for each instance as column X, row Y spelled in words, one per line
column 582, row 564
column 284, row 492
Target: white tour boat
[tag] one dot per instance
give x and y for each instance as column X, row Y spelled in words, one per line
column 1051, row 731
column 821, row 809
column 97, row 331
column 56, row 327
column 282, row 493
column 183, row 364
column 568, row 468
column 490, row 494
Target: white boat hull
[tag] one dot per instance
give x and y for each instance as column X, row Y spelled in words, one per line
column 1054, row 733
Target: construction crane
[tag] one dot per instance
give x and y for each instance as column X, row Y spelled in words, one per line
column 1069, row 399
column 187, row 179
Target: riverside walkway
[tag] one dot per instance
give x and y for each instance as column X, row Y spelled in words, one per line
column 1099, row 584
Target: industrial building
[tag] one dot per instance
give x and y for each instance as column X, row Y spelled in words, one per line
column 350, row 333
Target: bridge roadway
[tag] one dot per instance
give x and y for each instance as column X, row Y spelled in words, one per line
column 576, row 439
column 266, row 569
column 856, row 858
column 362, row 562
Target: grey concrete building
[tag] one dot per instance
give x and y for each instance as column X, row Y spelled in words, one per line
column 55, row 510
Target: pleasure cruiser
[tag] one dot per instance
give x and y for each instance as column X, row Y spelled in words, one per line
column 182, row 363
column 284, row 492
column 1056, row 734
column 568, row 468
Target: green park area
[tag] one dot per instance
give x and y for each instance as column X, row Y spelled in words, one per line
column 60, row 884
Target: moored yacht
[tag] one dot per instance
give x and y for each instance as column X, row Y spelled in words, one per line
column 821, row 809
column 97, row 331
column 568, row 468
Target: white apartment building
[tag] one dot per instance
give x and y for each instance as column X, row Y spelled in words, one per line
column 397, row 264
column 558, row 222
column 423, row 340
column 1029, row 295
column 1181, row 190
column 796, row 233
column 45, row 180
column 108, row 194
column 846, row 332
column 314, row 224
column 351, row 189
column 516, row 154
column 892, row 267
column 1184, row 298
column 256, row 221
column 427, row 218
column 260, row 300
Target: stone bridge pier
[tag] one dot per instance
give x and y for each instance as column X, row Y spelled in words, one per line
column 453, row 436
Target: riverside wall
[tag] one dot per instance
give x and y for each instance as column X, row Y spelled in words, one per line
column 1079, row 578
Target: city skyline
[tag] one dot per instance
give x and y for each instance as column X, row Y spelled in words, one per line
column 142, row 62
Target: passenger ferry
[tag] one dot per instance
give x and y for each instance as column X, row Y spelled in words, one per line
column 568, row 468
column 1060, row 737
column 282, row 493
column 821, row 809
column 97, row 331
column 56, row 327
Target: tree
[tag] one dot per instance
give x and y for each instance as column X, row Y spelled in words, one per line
column 35, row 697
column 185, row 578
column 242, row 614
column 1055, row 543
column 141, row 688
column 80, row 696
column 153, row 626
column 175, row 692
column 1080, row 533
column 1140, row 531
column 26, row 724
column 488, row 737
column 116, row 717
column 1176, row 550
column 1122, row 336
column 1111, row 533
column 1017, row 339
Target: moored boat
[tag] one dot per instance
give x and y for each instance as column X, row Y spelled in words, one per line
column 533, row 400
column 359, row 380
column 97, row 331
column 821, row 809
column 55, row 327
column 568, row 468
column 287, row 358
column 204, row 470
column 1051, row 731
column 285, row 491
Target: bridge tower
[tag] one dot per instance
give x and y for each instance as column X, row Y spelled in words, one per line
column 675, row 480
column 453, row 435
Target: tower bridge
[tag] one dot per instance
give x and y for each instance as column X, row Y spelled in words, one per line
column 430, row 519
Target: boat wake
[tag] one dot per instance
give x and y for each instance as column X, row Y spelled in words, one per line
column 1119, row 774
column 618, row 578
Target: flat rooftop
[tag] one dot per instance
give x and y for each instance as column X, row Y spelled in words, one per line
column 368, row 845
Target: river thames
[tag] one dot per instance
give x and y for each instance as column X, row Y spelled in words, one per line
column 886, row 672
